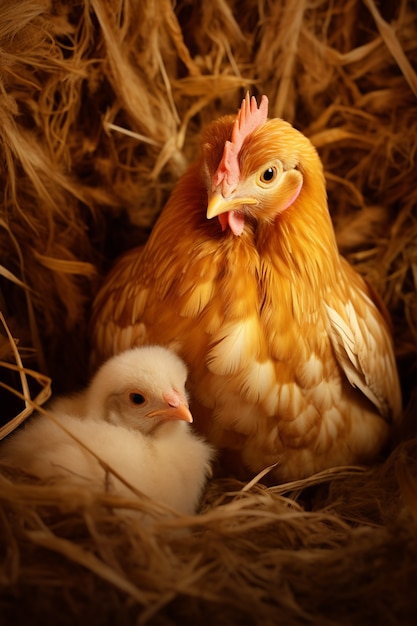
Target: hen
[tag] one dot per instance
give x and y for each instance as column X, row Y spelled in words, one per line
column 134, row 416
column 291, row 360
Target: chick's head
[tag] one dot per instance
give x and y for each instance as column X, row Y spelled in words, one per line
column 140, row 389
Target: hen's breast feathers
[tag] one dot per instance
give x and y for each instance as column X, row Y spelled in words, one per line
column 245, row 314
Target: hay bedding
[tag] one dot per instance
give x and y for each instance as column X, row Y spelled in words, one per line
column 101, row 104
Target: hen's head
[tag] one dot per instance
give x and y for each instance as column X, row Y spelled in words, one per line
column 257, row 167
column 140, row 388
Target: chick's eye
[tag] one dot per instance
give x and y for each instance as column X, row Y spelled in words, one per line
column 268, row 175
column 137, row 398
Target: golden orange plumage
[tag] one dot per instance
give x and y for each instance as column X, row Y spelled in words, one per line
column 291, row 362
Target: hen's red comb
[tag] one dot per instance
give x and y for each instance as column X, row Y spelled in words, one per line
column 248, row 119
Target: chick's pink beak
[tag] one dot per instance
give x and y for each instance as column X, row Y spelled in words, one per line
column 176, row 408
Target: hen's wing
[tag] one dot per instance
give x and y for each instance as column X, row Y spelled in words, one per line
column 362, row 343
column 143, row 302
column 151, row 293
column 118, row 307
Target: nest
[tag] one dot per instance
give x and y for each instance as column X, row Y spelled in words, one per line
column 101, row 106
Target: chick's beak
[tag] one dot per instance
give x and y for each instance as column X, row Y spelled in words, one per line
column 219, row 204
column 176, row 408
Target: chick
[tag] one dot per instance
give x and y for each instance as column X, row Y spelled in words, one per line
column 134, row 416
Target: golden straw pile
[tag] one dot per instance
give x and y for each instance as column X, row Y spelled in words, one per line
column 101, row 106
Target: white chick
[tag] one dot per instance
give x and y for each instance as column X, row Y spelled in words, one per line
column 134, row 415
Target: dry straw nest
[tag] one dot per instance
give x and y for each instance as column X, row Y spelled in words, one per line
column 101, row 105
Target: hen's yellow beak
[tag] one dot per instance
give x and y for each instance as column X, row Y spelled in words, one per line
column 218, row 204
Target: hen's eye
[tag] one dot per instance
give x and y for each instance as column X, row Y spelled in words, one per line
column 137, row 398
column 268, row 175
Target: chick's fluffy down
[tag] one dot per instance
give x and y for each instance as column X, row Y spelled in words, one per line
column 171, row 468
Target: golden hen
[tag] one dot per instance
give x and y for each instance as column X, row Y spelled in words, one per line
column 291, row 361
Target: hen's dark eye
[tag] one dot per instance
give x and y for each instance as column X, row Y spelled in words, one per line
column 268, row 175
column 137, row 398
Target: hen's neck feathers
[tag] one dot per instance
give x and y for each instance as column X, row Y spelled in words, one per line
column 300, row 243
